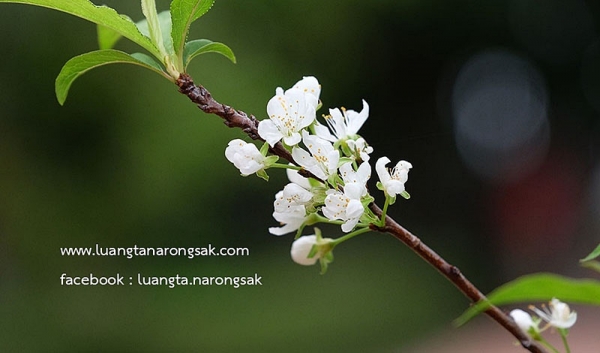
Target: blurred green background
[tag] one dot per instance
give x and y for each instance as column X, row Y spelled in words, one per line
column 128, row 160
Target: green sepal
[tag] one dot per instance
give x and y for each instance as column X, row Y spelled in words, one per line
column 405, row 194
column 264, row 149
column 344, row 160
column 201, row 46
column 263, row 174
column 325, row 261
column 270, row 160
column 315, row 183
column 313, row 251
column 379, row 186
column 346, row 150
column 391, row 198
column 80, row 64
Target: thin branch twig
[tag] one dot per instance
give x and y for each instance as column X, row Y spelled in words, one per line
column 249, row 124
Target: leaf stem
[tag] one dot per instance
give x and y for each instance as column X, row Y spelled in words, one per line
column 548, row 345
column 563, row 336
column 351, row 235
column 284, row 166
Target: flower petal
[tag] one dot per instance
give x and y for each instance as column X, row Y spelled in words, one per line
column 269, row 132
column 301, row 247
column 382, row 172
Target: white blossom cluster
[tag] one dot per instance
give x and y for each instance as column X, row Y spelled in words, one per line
column 334, row 156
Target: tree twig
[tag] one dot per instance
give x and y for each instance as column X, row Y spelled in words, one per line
column 249, row 124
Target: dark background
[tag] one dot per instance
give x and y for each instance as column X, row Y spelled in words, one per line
column 496, row 105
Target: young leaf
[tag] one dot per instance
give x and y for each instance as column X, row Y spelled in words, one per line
column 79, row 65
column 201, row 46
column 164, row 21
column 183, row 13
column 594, row 254
column 101, row 15
column 154, row 27
column 537, row 287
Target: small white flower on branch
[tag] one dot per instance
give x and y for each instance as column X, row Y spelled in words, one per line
column 344, row 124
column 245, row 156
column 310, row 85
column 291, row 220
column 290, row 112
column 322, row 160
column 559, row 314
column 524, row 320
column 309, row 249
column 392, row 182
column 344, row 206
column 301, row 247
column 360, row 149
column 291, row 196
column 357, row 178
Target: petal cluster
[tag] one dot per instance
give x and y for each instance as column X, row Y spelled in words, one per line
column 290, row 112
column 330, row 171
column 344, row 124
column 523, row 320
column 245, row 156
column 344, row 206
column 558, row 314
column 321, row 159
column 392, row 180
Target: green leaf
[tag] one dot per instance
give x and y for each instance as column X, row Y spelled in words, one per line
column 592, row 265
column 79, row 65
column 538, row 287
column 201, row 46
column 164, row 21
column 183, row 13
column 594, row 254
column 101, row 15
column 149, row 61
column 107, row 38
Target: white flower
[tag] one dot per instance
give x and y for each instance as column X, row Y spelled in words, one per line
column 310, row 85
column 343, row 123
column 358, row 178
column 323, row 158
column 245, row 156
column 301, row 247
column 523, row 320
column 290, row 112
column 291, row 196
column 344, row 206
column 290, row 220
column 559, row 315
column 360, row 148
column 393, row 183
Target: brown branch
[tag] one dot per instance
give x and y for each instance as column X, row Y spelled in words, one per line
column 248, row 123
column 453, row 274
column 232, row 118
